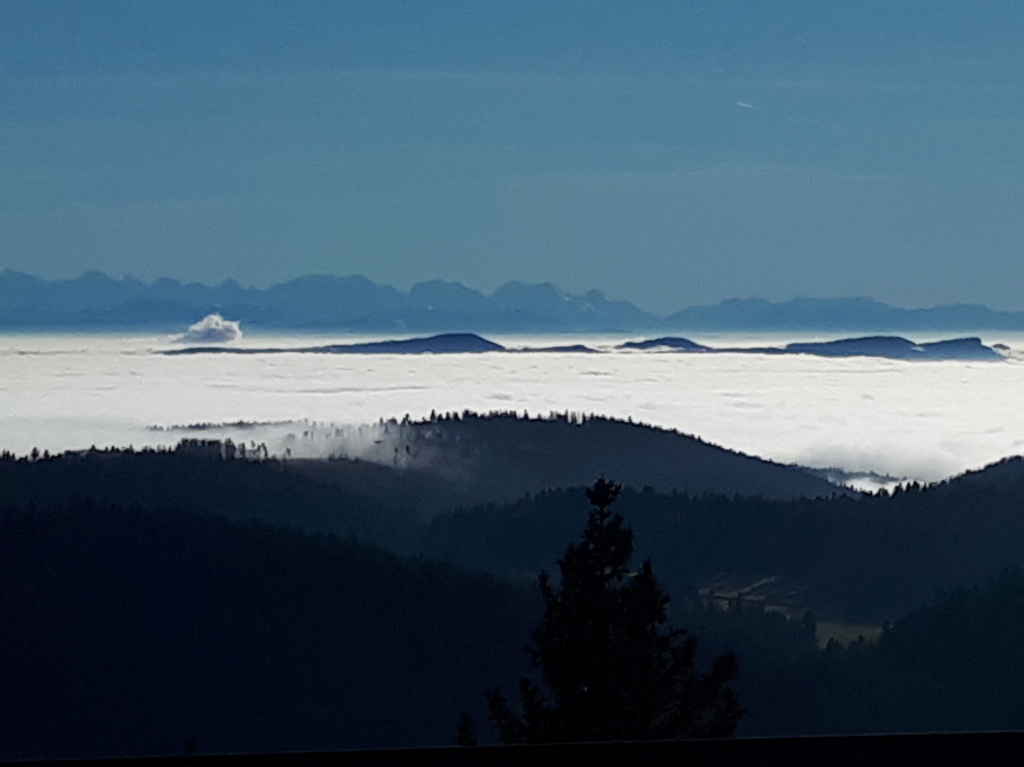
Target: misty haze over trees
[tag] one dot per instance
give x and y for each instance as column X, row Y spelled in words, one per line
column 212, row 594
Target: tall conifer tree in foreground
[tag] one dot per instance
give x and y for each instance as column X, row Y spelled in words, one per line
column 614, row 670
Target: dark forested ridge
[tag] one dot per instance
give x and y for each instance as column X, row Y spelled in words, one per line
column 501, row 456
column 151, row 599
column 492, row 491
column 152, row 631
column 408, row 468
column 866, row 559
column 196, row 476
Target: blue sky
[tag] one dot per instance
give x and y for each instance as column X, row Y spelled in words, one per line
column 669, row 153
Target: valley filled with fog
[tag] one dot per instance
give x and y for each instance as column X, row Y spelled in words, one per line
column 921, row 420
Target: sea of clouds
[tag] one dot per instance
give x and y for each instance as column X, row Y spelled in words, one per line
column 917, row 420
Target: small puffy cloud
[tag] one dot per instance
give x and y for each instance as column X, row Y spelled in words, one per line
column 212, row 329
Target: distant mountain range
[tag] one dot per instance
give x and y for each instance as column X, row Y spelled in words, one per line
column 357, row 304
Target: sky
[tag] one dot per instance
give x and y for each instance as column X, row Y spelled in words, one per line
column 667, row 153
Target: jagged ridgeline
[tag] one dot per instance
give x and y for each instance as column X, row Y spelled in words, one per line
column 355, row 303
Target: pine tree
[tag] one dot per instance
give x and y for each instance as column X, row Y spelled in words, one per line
column 466, row 733
column 614, row 670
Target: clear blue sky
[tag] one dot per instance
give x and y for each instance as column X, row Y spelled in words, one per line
column 669, row 153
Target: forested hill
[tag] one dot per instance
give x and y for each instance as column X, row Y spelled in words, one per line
column 866, row 559
column 146, row 609
column 413, row 470
column 500, row 457
column 869, row 558
column 197, row 478
column 158, row 631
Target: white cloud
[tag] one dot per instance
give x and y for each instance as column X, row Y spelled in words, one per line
column 212, row 329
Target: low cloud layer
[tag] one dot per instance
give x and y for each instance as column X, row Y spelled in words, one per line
column 919, row 420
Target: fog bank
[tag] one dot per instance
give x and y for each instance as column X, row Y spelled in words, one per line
column 923, row 420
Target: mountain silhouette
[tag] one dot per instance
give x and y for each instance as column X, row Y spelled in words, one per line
column 356, row 303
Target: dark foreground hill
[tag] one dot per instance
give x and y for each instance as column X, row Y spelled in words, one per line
column 132, row 624
column 156, row 631
column 162, row 631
